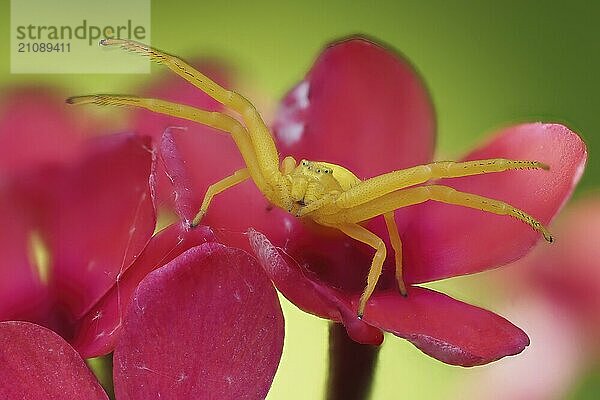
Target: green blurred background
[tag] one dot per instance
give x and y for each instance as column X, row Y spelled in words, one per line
column 486, row 63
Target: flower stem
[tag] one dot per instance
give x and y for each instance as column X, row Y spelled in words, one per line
column 351, row 366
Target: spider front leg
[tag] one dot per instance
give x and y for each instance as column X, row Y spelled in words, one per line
column 381, row 185
column 323, row 201
column 264, row 145
column 212, row 119
column 215, row 120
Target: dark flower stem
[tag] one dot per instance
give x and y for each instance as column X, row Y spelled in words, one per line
column 351, row 366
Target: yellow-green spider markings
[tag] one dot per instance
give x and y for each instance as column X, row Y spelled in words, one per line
column 327, row 193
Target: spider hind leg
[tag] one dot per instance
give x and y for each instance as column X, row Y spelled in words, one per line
column 440, row 193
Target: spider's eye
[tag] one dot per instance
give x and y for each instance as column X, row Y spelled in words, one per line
column 318, row 171
column 304, row 162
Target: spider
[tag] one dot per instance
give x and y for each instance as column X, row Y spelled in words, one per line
column 327, row 193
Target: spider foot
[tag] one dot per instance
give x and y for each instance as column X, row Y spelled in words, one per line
column 402, row 288
column 361, row 308
column 198, row 218
column 400, row 279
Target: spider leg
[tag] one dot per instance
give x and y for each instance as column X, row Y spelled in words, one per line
column 392, row 228
column 215, row 120
column 363, row 235
column 317, row 204
column 237, row 177
column 380, row 185
column 265, row 150
column 443, row 194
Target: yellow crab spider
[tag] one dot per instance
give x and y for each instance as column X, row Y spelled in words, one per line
column 327, row 193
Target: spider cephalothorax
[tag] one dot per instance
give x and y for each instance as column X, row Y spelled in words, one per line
column 310, row 182
column 327, row 193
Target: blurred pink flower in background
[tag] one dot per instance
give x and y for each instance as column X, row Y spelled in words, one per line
column 59, row 210
column 37, row 128
column 555, row 294
column 568, row 275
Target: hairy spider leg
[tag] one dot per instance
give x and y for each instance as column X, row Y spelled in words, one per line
column 392, row 228
column 264, row 145
column 412, row 196
column 375, row 187
column 440, row 193
column 215, row 120
column 327, row 198
column 363, row 235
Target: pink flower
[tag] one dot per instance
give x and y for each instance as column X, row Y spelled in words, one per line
column 77, row 240
column 206, row 325
column 365, row 108
column 439, row 240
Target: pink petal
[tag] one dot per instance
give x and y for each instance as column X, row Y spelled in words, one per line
column 446, row 240
column 208, row 153
column 39, row 364
column 99, row 217
column 207, row 325
column 186, row 201
column 27, row 112
column 304, row 288
column 100, row 328
column 361, row 106
column 449, row 330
